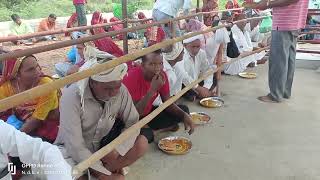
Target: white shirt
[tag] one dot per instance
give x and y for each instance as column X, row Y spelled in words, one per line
column 172, row 7
column 31, row 151
column 195, row 68
column 242, row 39
column 221, row 36
column 255, row 35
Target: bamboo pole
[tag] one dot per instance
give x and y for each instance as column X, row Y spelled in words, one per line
column 59, row 31
column 248, row 54
column 310, row 41
column 125, row 25
column 64, row 30
column 78, row 169
column 308, row 51
column 219, row 63
column 139, row 20
column 38, row 91
column 312, row 32
column 58, row 45
column 82, row 166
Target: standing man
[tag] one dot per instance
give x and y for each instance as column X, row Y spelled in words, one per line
column 80, row 6
column 289, row 17
column 168, row 9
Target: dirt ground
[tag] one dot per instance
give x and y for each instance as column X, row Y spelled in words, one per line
column 49, row 58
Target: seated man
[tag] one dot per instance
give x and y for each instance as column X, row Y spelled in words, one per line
column 74, row 60
column 48, row 24
column 259, row 40
column 145, row 83
column 212, row 40
column 95, row 111
column 18, row 27
column 243, row 42
column 174, row 73
column 31, row 151
column 195, row 63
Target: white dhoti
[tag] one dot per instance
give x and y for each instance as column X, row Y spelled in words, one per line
column 239, row 66
column 260, row 55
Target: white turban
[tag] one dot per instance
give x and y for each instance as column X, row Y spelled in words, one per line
column 94, row 57
column 193, row 38
column 176, row 51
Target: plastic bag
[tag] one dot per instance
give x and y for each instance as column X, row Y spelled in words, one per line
column 266, row 25
column 117, row 10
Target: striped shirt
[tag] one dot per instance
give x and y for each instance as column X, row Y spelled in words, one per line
column 290, row 18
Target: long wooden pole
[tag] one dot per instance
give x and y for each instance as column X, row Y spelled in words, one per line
column 308, row 51
column 310, row 41
column 67, row 43
column 82, row 166
column 59, row 31
column 219, row 58
column 125, row 25
column 64, row 30
column 38, row 91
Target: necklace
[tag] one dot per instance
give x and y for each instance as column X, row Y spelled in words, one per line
column 18, row 86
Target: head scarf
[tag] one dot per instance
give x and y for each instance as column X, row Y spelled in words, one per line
column 141, row 15
column 117, row 27
column 10, row 68
column 93, row 58
column 194, row 25
column 96, row 18
column 72, row 20
column 176, row 51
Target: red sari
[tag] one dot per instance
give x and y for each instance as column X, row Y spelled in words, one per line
column 106, row 44
column 153, row 34
column 72, row 22
column 210, row 5
column 116, row 27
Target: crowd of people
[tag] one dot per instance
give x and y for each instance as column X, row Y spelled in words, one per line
column 86, row 116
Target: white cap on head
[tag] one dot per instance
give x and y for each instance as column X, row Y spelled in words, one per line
column 95, row 58
column 176, row 51
column 193, row 38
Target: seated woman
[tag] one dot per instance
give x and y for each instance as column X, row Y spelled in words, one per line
column 39, row 117
column 116, row 27
column 154, row 34
column 105, row 44
column 72, row 22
